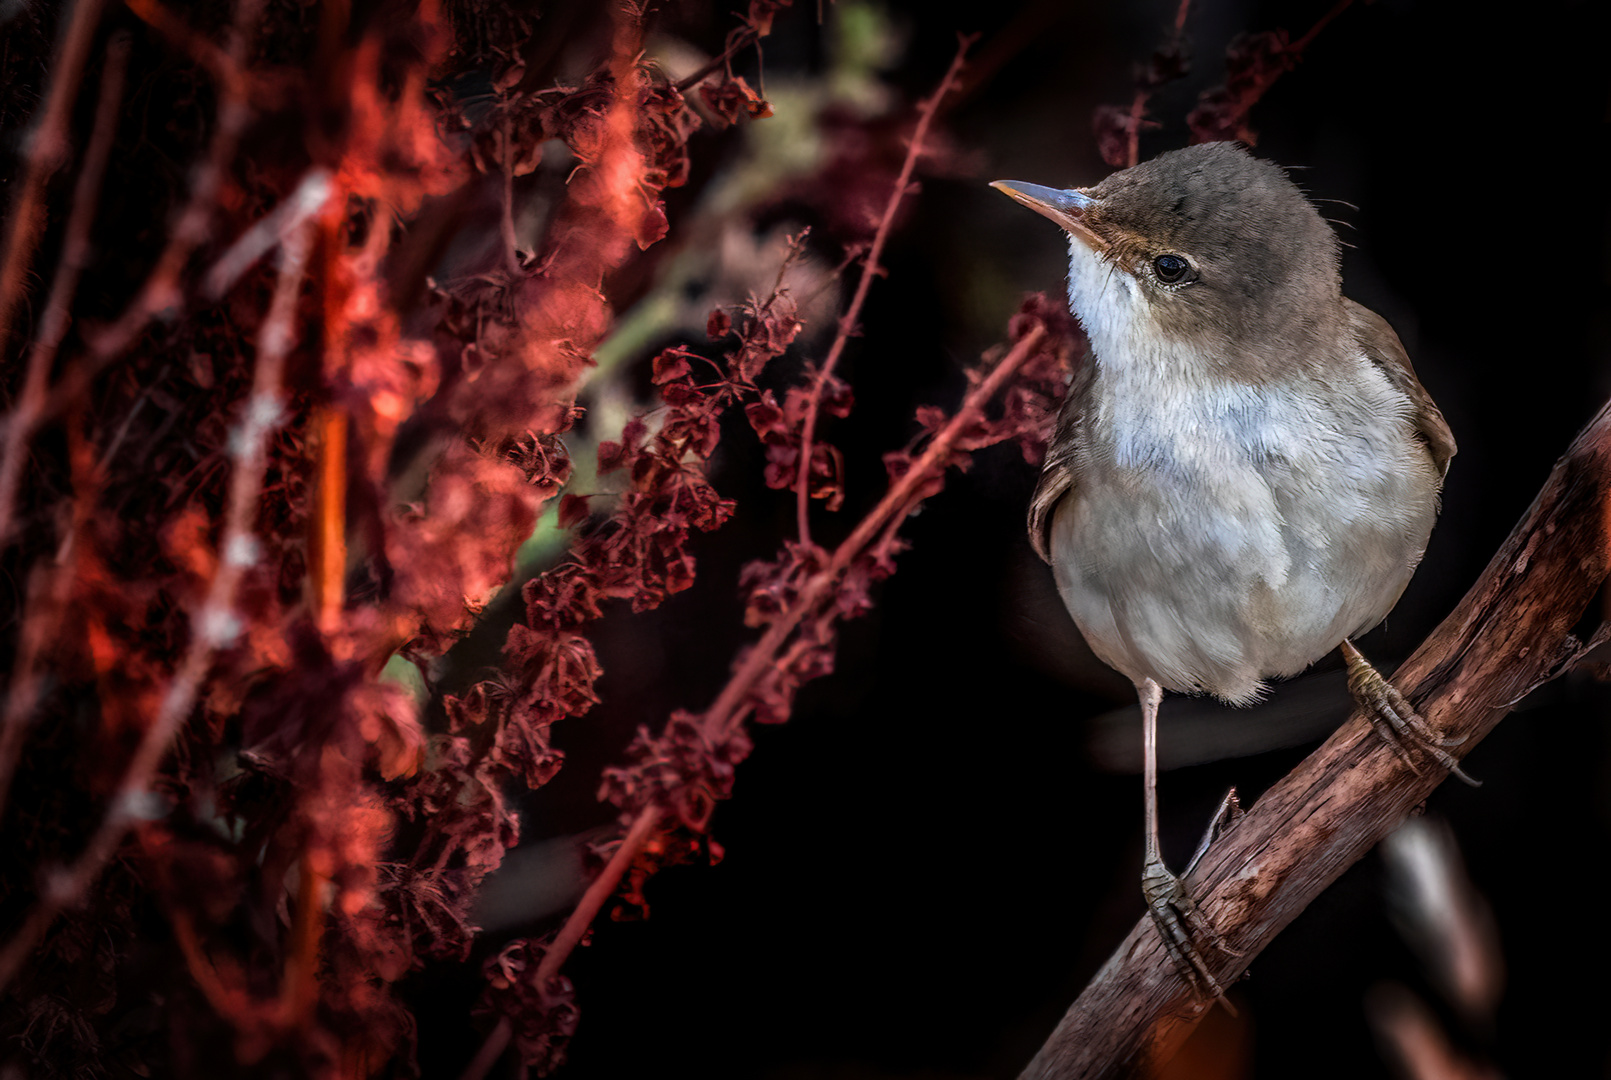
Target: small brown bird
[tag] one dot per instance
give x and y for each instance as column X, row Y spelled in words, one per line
column 1245, row 475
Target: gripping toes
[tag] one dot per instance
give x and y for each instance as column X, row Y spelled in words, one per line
column 1395, row 719
column 1181, row 925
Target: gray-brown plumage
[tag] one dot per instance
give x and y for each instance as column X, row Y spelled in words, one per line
column 1246, row 473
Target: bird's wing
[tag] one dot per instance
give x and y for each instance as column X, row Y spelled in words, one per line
column 1384, row 350
column 1057, row 474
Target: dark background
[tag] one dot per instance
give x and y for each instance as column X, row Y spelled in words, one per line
column 929, row 861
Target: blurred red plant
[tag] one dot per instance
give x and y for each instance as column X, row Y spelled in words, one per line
column 242, row 500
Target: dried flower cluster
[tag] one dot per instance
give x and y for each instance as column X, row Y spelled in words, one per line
column 1253, row 62
column 294, row 462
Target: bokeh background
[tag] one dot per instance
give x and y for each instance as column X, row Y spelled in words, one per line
column 929, row 861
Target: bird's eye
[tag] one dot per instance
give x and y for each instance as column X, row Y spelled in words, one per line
column 1171, row 269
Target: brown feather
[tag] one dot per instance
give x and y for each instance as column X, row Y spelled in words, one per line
column 1382, row 348
column 1057, row 473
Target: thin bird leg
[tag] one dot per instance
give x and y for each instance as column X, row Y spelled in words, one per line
column 1394, row 718
column 1173, row 911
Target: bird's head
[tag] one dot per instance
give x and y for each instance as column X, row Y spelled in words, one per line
column 1207, row 248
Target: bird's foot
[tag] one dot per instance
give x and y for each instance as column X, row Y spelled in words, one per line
column 1181, row 925
column 1395, row 719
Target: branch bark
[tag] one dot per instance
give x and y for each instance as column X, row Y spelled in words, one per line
column 1511, row 633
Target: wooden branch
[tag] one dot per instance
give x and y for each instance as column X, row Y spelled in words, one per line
column 1511, row 633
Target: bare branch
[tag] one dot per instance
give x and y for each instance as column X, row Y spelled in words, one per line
column 1511, row 633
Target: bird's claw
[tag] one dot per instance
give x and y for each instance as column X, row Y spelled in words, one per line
column 1395, row 719
column 1181, row 924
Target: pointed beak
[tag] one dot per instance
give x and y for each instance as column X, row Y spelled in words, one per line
column 1067, row 208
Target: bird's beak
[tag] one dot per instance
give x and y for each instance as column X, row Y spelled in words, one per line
column 1067, row 208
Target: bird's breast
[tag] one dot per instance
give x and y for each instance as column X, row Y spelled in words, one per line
column 1220, row 533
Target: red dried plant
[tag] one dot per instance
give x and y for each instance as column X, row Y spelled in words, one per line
column 274, row 478
column 1253, row 62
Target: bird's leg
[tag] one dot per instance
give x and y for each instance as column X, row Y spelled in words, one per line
column 1394, row 718
column 1173, row 910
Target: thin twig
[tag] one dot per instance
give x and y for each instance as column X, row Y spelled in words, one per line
column 23, row 690
column 161, row 296
column 731, row 706
column 1231, row 124
column 1510, row 634
column 739, row 40
column 597, row 894
column 1144, row 92
column 870, row 270
column 212, row 627
column 897, row 501
column 45, row 153
column 311, row 194
column 75, row 254
column 492, row 1048
column 1337, row 9
column 217, row 62
column 571, row 934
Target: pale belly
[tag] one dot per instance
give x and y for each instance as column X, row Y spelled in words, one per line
column 1211, row 554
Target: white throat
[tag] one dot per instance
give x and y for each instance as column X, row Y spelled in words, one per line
column 1107, row 301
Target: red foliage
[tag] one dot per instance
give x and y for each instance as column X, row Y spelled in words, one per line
column 1253, row 62
column 315, row 479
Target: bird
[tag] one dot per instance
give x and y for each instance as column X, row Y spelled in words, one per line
column 1246, row 470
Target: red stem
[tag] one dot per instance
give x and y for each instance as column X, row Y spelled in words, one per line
column 1293, row 51
column 870, row 270
column 571, row 934
column 717, row 721
column 53, row 325
column 213, row 625
column 161, row 294
column 1336, row 10
column 731, row 706
column 1138, row 104
column 47, row 149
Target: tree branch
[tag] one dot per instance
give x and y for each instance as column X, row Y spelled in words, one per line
column 1511, row 633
